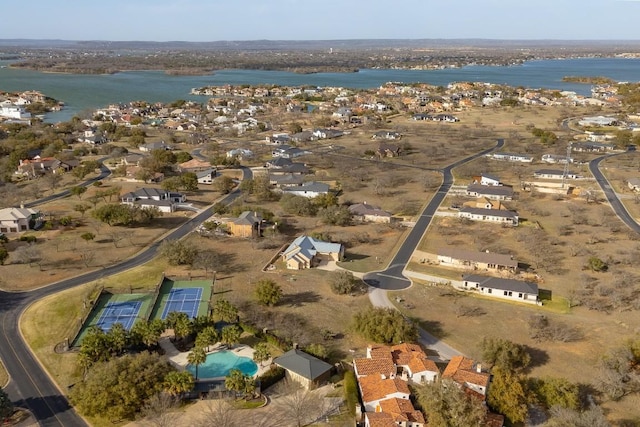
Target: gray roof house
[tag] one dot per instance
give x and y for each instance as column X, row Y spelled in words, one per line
column 370, row 213
column 303, row 368
column 515, row 290
column 308, row 189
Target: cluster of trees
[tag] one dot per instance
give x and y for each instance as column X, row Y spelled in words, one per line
column 618, row 372
column 324, row 206
column 187, row 181
column 121, row 214
column 511, row 391
column 546, row 137
column 384, row 325
column 120, row 387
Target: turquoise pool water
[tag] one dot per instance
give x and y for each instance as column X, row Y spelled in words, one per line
column 220, row 363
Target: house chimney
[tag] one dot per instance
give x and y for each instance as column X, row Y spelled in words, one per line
column 479, row 368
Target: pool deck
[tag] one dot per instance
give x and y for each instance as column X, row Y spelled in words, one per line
column 179, row 359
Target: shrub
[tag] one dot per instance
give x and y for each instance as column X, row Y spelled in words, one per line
column 271, row 377
column 28, row 239
column 351, row 391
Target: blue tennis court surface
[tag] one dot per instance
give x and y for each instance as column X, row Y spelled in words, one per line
column 119, row 312
column 185, row 300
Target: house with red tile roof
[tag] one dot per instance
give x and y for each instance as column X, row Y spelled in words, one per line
column 376, row 388
column 393, row 413
column 468, row 374
column 408, row 361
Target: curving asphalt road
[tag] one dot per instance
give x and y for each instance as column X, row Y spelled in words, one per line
column 104, row 172
column 392, row 278
column 29, row 385
column 610, row 194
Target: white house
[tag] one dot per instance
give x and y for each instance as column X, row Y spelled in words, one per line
column 554, row 174
column 555, row 158
column 12, row 111
column 494, row 192
column 14, row 220
column 206, row 176
column 511, row 157
column 500, row 216
column 514, row 290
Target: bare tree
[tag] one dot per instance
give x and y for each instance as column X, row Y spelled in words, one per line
column 220, row 413
column 297, row 405
column 160, row 410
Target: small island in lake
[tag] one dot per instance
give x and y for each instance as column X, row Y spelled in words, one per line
column 597, row 80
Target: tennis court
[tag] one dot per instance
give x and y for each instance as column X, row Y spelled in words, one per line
column 119, row 312
column 185, row 300
column 186, row 296
column 113, row 308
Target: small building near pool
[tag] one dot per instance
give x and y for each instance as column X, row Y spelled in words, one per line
column 305, row 369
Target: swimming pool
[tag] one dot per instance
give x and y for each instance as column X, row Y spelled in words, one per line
column 219, row 364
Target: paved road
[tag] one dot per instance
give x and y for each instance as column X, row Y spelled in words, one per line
column 607, row 189
column 392, row 278
column 29, row 385
column 104, row 172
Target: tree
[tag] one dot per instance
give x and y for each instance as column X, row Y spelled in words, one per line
column 77, row 191
column 147, row 333
column 343, row 282
column 446, row 405
column 178, row 252
column 160, row 409
column 180, row 323
column 562, row 417
column 207, row 337
column 224, row 311
column 508, row 394
column 4, row 254
column 617, row 373
column 207, row 260
column 117, row 389
column 384, row 325
column 6, row 406
column 268, row 292
column 117, row 338
column 230, row 335
column 82, row 208
column 95, row 347
column 197, row 357
column 239, row 382
column 335, row 215
column 173, row 183
column 189, row 181
column 504, row 354
column 261, row 353
column 556, row 392
column 223, row 184
column 29, row 254
column 298, row 405
column 177, row 383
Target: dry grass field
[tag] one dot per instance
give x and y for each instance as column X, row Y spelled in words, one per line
column 557, row 236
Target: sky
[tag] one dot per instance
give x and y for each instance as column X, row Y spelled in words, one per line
column 216, row 20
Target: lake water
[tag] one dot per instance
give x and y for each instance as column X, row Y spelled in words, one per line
column 88, row 92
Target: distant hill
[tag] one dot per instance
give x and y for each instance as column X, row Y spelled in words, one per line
column 357, row 44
